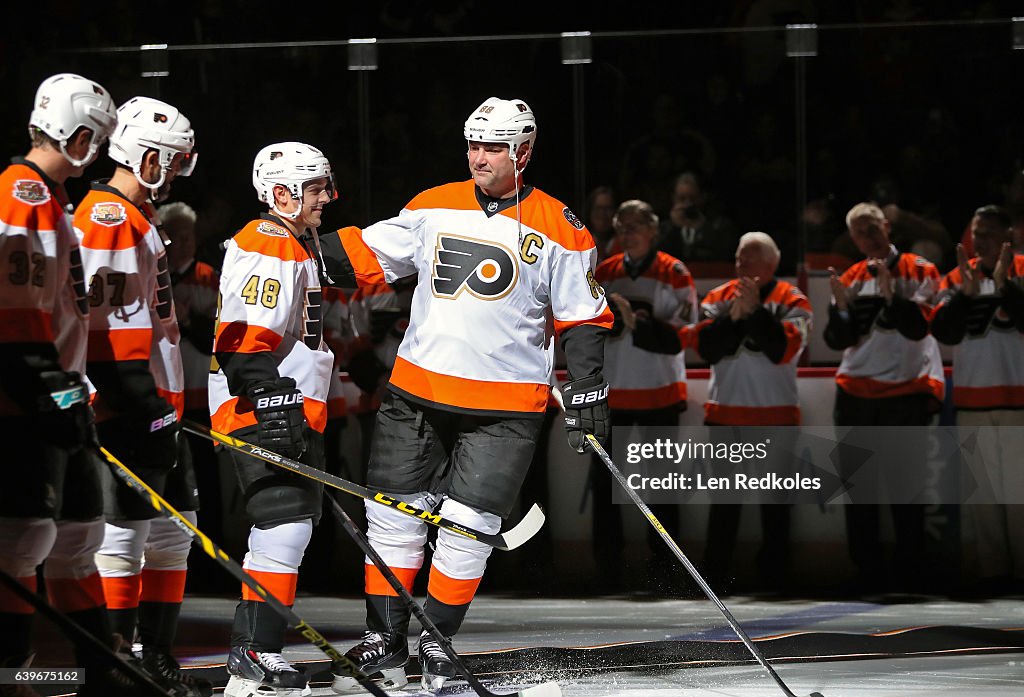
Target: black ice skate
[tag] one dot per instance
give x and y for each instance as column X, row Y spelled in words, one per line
column 260, row 674
column 166, row 670
column 381, row 656
column 435, row 665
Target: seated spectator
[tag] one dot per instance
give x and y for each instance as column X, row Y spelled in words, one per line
column 694, row 231
column 598, row 218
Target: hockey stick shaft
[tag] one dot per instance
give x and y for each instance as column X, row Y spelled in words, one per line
column 543, row 690
column 314, row 637
column 595, row 445
column 506, row 541
column 73, row 630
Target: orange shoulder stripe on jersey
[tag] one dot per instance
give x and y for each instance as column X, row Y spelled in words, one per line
column 857, row 272
column 548, row 216
column 720, row 293
column 22, row 215
column 994, row 397
column 206, row 275
column 647, row 398
column 455, row 196
column 605, row 319
column 665, row 269
column 730, row 415
column 119, row 237
column 451, row 591
column 365, row 266
column 25, row 324
column 120, row 344
column 271, row 240
column 376, row 584
column 454, row 391
column 609, row 269
column 794, row 341
column 239, row 337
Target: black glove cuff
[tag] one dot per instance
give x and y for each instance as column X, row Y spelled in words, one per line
column 585, row 392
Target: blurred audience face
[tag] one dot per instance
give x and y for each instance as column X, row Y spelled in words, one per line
column 989, row 237
column 182, row 249
column 687, row 200
column 601, row 212
column 635, row 234
column 754, row 260
column 871, row 236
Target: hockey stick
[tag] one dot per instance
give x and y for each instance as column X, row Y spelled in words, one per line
column 505, row 541
column 548, row 689
column 210, row 547
column 595, row 445
column 74, row 630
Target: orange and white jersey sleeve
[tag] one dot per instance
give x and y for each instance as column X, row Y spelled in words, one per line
column 36, row 242
column 884, row 362
column 131, row 314
column 988, row 353
column 476, row 338
column 271, row 306
column 747, row 387
column 642, row 379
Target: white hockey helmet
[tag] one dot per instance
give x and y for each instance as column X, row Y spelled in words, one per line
column 291, row 165
column 66, row 102
column 508, row 121
column 145, row 124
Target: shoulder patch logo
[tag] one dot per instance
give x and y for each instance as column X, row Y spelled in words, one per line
column 31, row 191
column 488, row 270
column 108, row 214
column 268, row 228
column 571, row 217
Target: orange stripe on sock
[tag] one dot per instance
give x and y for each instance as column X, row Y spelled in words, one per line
column 122, row 592
column 376, row 584
column 76, row 594
column 11, row 603
column 451, row 591
column 282, row 586
column 163, row 585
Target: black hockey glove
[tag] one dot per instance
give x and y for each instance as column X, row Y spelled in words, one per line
column 586, row 410
column 65, row 417
column 148, row 440
column 279, row 418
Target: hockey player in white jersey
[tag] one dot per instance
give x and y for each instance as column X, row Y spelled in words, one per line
column 469, row 387
column 269, row 385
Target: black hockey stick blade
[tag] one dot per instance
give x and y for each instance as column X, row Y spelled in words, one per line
column 548, row 689
column 211, row 548
column 595, row 445
column 73, row 631
column 531, row 523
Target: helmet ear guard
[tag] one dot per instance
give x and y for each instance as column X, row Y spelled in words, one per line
column 145, row 124
column 291, row 165
column 66, row 102
column 507, row 121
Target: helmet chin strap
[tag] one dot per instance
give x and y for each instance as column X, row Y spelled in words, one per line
column 154, row 189
column 289, row 216
column 78, row 163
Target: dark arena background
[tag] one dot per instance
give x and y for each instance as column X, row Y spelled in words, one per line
column 787, row 113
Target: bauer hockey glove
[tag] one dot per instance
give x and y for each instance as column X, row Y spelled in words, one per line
column 279, row 417
column 65, row 417
column 586, row 410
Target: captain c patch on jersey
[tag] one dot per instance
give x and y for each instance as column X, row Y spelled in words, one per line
column 488, row 270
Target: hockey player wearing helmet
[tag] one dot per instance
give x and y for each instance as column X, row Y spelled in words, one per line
column 493, row 258
column 134, row 361
column 52, row 497
column 270, row 388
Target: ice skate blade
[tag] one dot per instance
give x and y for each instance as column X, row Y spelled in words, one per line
column 240, row 687
column 387, row 679
column 433, row 683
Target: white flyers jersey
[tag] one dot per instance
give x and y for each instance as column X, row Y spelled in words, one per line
column 642, row 379
column 271, row 303
column 37, row 248
column 988, row 363
column 195, row 302
column 476, row 338
column 747, row 388
column 131, row 313
column 884, row 363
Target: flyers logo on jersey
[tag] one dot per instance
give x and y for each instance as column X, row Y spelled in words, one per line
column 30, row 191
column 271, row 229
column 487, row 270
column 108, row 214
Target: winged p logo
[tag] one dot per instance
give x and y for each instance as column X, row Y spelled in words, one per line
column 486, row 269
